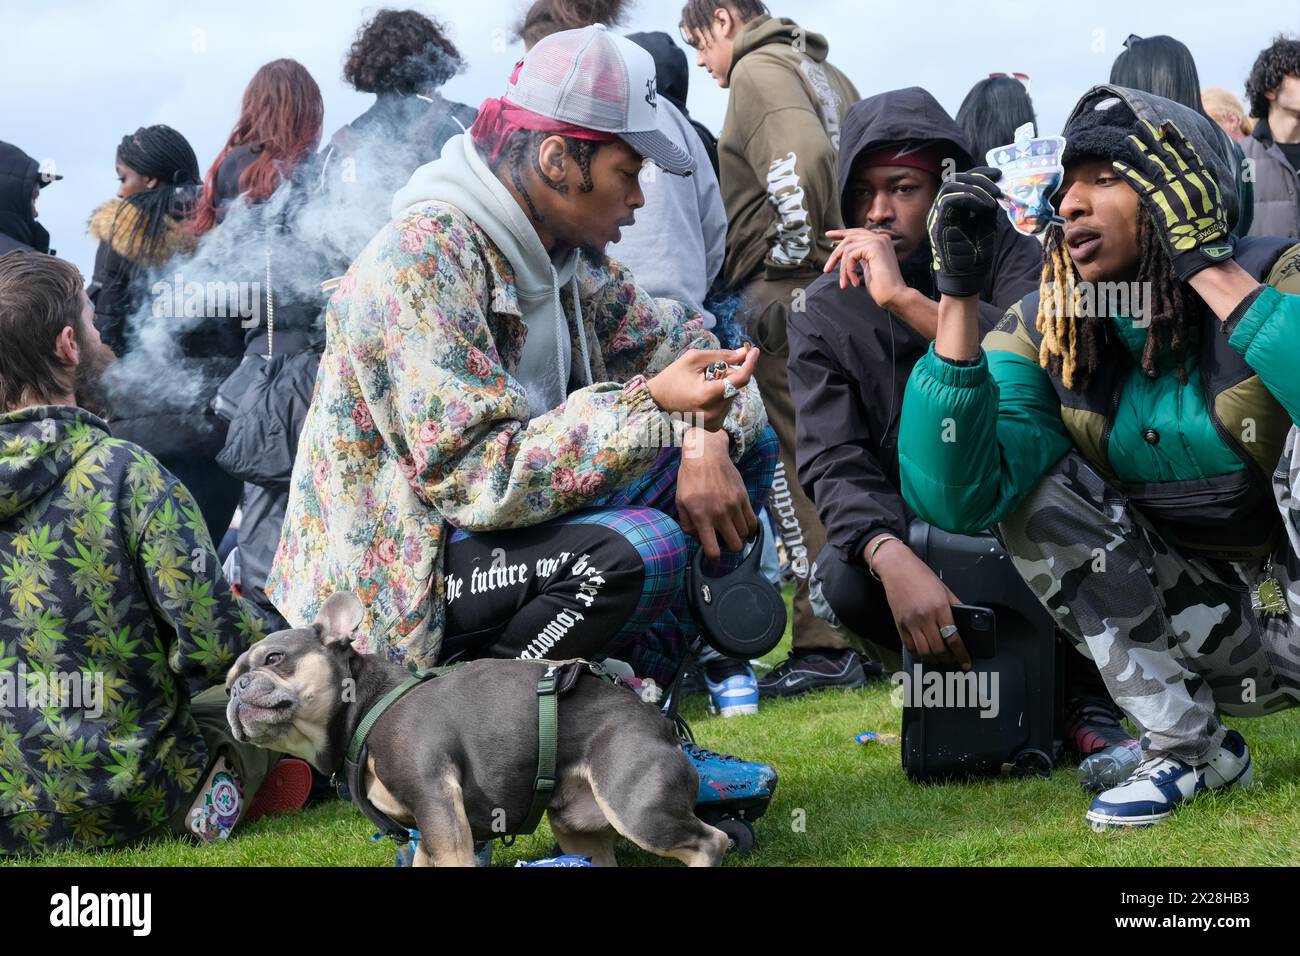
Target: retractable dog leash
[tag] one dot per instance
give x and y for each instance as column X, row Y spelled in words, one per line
column 740, row 614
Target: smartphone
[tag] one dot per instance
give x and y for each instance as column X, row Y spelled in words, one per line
column 977, row 628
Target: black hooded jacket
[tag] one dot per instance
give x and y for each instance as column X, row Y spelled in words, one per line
column 19, row 178
column 850, row 359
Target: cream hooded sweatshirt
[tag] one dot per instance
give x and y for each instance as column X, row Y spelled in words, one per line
column 460, row 178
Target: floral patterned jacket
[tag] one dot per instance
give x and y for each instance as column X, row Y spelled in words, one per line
column 113, row 613
column 417, row 422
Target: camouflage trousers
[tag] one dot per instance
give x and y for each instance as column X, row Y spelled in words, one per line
column 1174, row 635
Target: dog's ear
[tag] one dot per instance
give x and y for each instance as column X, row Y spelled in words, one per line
column 339, row 617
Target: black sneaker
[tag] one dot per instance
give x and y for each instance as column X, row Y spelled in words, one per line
column 800, row 673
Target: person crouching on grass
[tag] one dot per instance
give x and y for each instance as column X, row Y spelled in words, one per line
column 116, row 626
column 1141, row 465
column 488, row 383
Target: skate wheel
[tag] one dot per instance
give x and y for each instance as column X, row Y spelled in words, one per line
column 740, row 835
column 1032, row 763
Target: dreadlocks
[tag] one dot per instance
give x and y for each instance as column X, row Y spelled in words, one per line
column 1071, row 348
column 523, row 148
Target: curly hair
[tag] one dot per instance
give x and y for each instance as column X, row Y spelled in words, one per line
column 401, row 51
column 1279, row 60
column 545, row 17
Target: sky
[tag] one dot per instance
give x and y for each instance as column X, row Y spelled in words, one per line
column 78, row 75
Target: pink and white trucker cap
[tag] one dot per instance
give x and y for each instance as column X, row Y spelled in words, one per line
column 602, row 81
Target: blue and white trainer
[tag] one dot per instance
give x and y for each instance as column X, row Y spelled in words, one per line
column 734, row 694
column 1161, row 784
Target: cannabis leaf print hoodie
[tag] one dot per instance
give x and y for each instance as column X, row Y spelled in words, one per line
column 113, row 612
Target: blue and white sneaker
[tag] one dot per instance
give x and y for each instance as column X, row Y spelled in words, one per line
column 724, row 777
column 567, row 859
column 732, row 686
column 1160, row 784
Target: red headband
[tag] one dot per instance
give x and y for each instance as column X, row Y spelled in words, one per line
column 930, row 158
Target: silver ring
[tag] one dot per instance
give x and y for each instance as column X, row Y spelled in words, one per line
column 715, row 370
column 947, row 631
column 729, row 391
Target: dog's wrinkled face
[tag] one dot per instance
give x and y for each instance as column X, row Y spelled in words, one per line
column 284, row 689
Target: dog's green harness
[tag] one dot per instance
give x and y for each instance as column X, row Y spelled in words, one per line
column 559, row 677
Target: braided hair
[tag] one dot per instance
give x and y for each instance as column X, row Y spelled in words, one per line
column 522, row 150
column 159, row 152
column 1072, row 344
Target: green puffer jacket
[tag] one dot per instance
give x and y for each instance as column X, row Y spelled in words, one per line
column 1195, row 458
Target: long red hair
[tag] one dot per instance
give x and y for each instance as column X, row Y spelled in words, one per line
column 282, row 113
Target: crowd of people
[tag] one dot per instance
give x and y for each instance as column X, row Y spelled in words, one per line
column 434, row 363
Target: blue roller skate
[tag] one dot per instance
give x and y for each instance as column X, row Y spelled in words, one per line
column 733, row 792
column 405, row 855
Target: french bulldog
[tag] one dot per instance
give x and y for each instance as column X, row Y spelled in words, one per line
column 457, row 754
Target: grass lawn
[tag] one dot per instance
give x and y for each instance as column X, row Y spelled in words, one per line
column 842, row 804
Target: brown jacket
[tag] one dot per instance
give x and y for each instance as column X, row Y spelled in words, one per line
column 777, row 152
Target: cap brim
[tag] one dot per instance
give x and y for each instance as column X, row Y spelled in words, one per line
column 655, row 146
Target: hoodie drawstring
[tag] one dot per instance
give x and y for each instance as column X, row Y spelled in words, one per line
column 560, row 328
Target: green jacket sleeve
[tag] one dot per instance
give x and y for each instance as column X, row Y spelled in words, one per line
column 975, row 439
column 1267, row 336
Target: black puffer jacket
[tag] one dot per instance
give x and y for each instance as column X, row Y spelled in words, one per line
column 850, row 359
column 124, row 267
column 20, row 176
column 260, row 450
